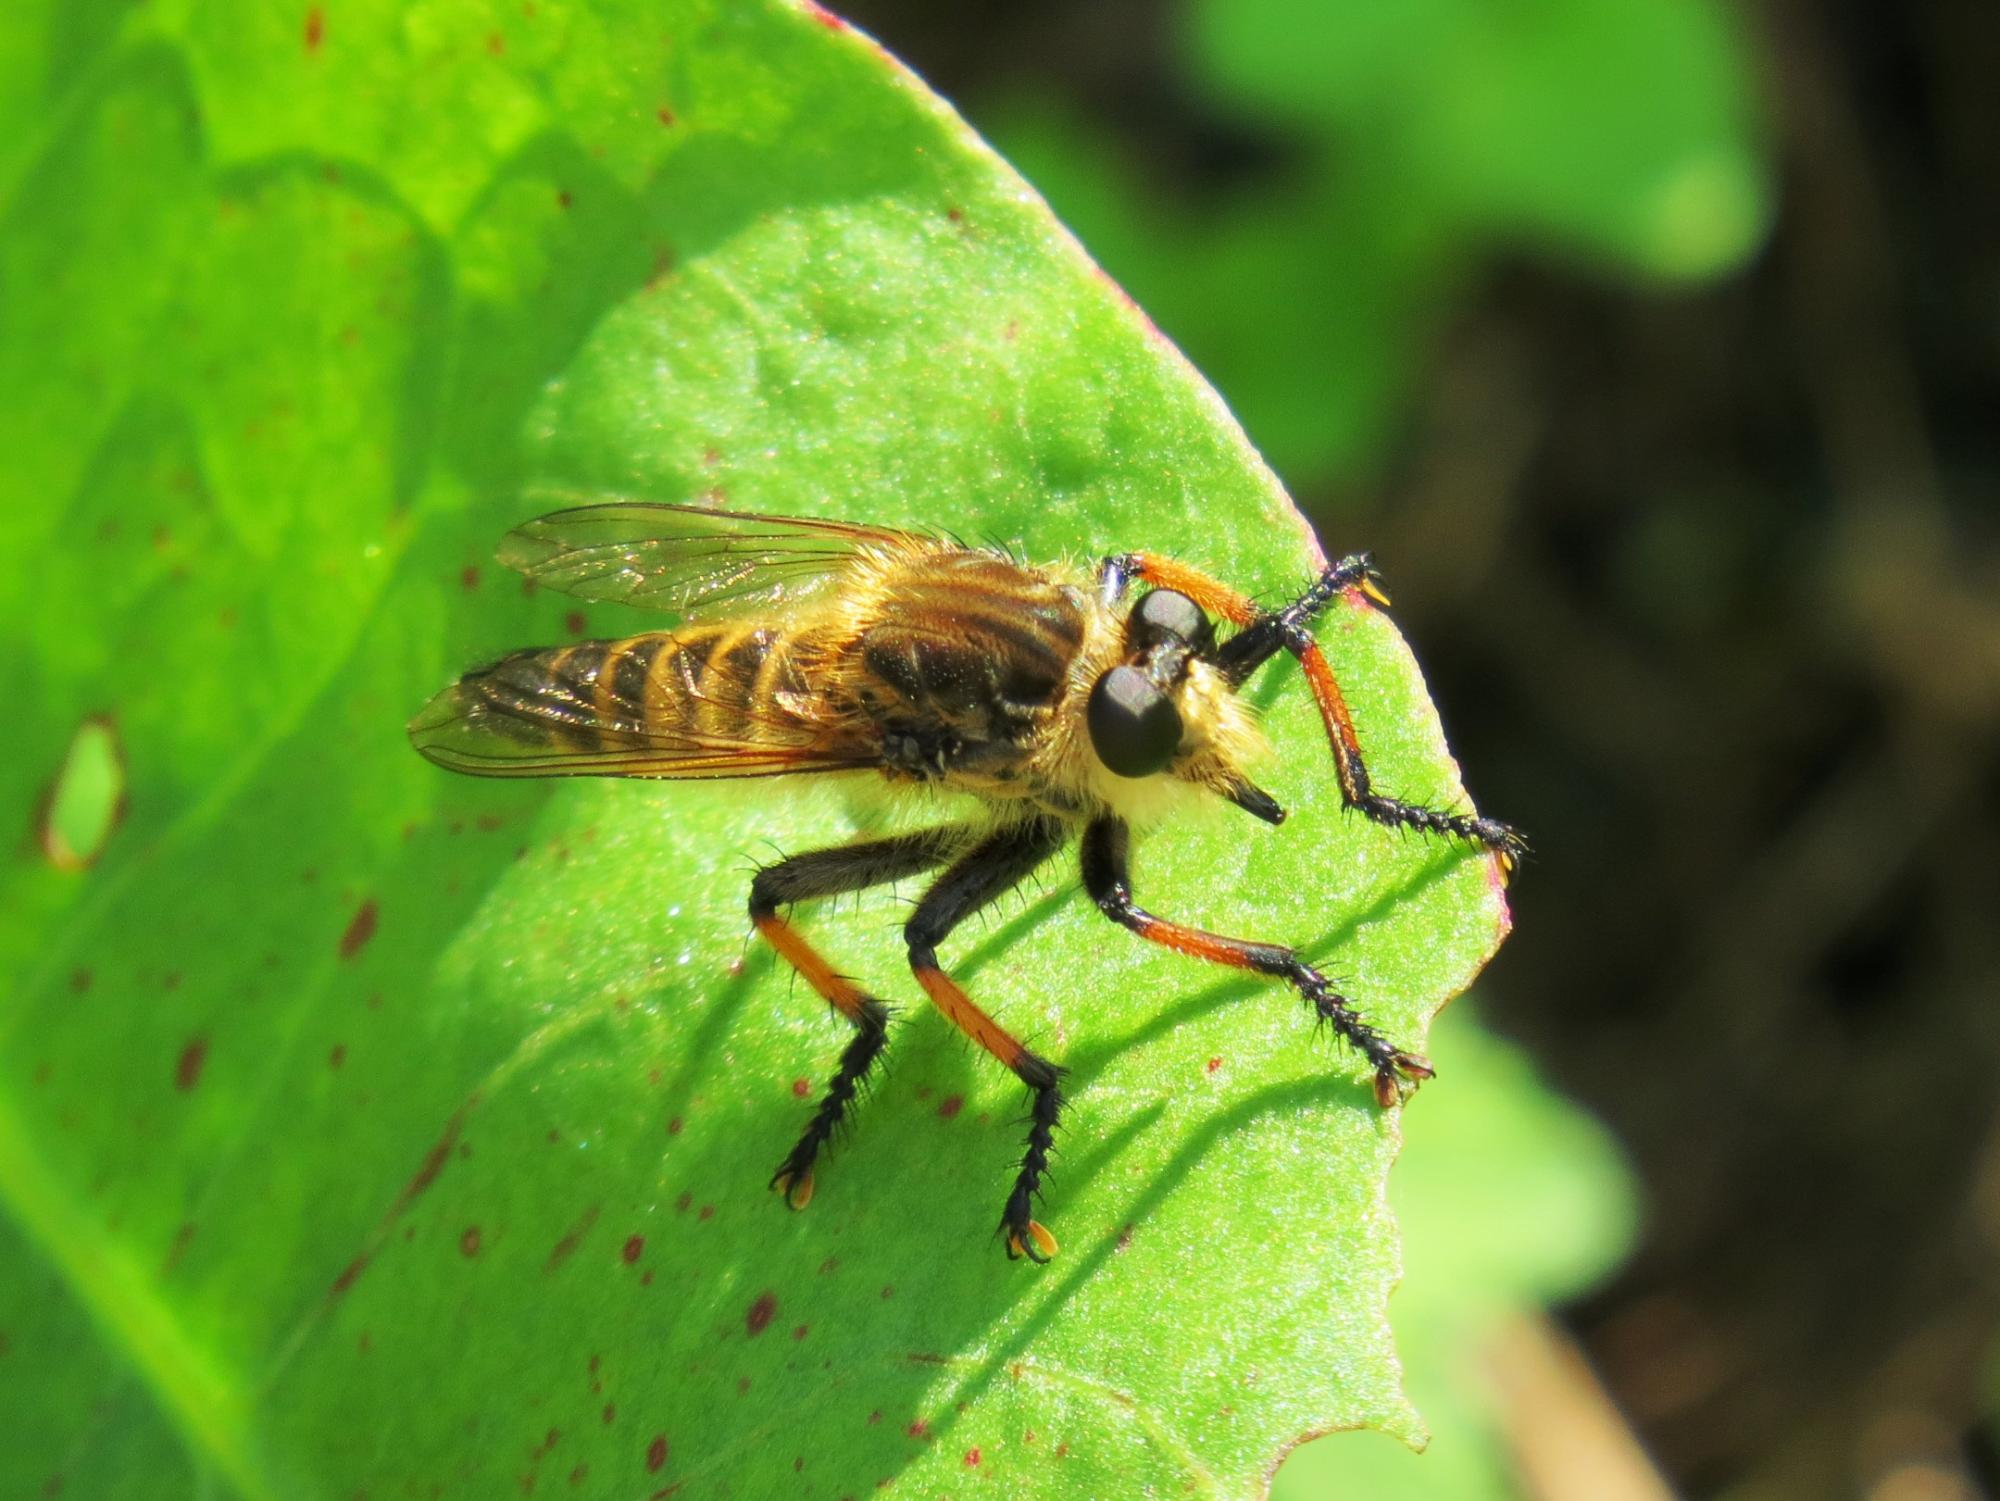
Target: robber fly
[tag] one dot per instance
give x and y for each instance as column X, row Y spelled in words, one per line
column 1069, row 704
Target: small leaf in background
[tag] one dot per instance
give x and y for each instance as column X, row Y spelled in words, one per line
column 363, row 1127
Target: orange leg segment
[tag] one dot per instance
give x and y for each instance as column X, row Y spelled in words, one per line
column 994, row 866
column 965, row 1015
column 828, row 873
column 1211, row 594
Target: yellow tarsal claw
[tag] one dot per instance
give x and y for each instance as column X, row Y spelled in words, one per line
column 798, row 1192
column 1375, row 592
column 1038, row 1248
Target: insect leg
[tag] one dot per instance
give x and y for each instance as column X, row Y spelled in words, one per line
column 831, row 872
column 1211, row 594
column 990, row 868
column 1266, row 633
column 1106, row 877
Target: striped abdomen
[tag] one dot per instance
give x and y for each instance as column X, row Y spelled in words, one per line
column 702, row 701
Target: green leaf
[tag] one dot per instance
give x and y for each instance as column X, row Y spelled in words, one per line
column 1509, row 1198
column 364, row 1127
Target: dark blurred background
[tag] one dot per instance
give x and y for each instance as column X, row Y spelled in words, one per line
column 1654, row 348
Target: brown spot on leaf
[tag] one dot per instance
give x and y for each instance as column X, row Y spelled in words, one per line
column 758, row 1317
column 433, row 1163
column 468, row 577
column 801, row 1087
column 950, row 1105
column 656, row 1453
column 468, row 1242
column 972, row 1457
column 801, row 1331
column 610, row 1413
column 674, row 1126
column 80, row 980
column 315, row 28
column 666, row 116
column 634, row 1248
column 575, row 623
column 337, row 1056
column 1214, row 1064
column 187, row 1068
column 360, row 928
column 566, row 1246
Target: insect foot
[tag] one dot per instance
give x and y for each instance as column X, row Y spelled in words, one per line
column 1397, row 1073
column 1504, row 840
column 795, row 1184
column 1025, row 1235
column 1397, row 1079
column 1033, row 1241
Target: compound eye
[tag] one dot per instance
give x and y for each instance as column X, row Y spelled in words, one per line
column 1164, row 615
column 1134, row 728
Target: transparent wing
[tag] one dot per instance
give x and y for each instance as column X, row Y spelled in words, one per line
column 695, row 562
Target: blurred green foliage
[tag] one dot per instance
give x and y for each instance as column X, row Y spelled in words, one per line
column 1411, row 141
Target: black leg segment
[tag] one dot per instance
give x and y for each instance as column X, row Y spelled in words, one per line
column 994, row 866
column 831, row 872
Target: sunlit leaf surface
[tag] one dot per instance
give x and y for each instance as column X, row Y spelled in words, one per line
column 364, row 1129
